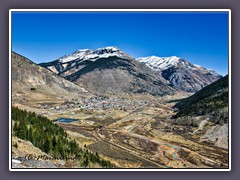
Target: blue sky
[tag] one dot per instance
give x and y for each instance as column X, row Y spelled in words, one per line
column 199, row 37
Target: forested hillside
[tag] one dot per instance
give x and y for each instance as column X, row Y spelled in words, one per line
column 51, row 138
column 212, row 100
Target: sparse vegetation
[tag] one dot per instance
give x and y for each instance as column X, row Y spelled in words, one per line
column 15, row 145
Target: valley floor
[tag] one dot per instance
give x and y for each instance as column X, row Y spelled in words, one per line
column 140, row 137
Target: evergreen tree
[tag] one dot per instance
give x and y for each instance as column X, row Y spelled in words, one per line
column 50, row 137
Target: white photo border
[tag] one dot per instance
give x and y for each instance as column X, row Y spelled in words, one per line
column 118, row 10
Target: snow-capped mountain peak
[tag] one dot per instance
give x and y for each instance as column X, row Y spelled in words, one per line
column 180, row 73
column 172, row 60
column 81, row 51
column 87, row 54
column 109, row 48
column 79, row 54
column 109, row 51
column 175, row 71
column 156, row 62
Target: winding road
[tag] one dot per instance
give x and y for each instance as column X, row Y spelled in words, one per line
column 95, row 133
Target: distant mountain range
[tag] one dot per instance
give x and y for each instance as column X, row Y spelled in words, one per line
column 69, row 61
column 111, row 70
column 108, row 71
column 180, row 73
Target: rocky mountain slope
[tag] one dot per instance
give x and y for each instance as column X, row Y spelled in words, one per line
column 33, row 82
column 109, row 71
column 208, row 109
column 67, row 62
column 180, row 73
column 25, row 155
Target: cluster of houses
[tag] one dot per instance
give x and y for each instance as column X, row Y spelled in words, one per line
column 98, row 103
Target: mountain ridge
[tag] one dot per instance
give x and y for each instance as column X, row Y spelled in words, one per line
column 110, row 71
column 176, row 72
column 180, row 73
column 31, row 81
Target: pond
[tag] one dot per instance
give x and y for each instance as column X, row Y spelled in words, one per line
column 65, row 120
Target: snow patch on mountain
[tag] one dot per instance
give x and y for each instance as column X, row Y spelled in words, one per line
column 180, row 73
column 79, row 54
column 163, row 63
column 92, row 55
column 157, row 63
